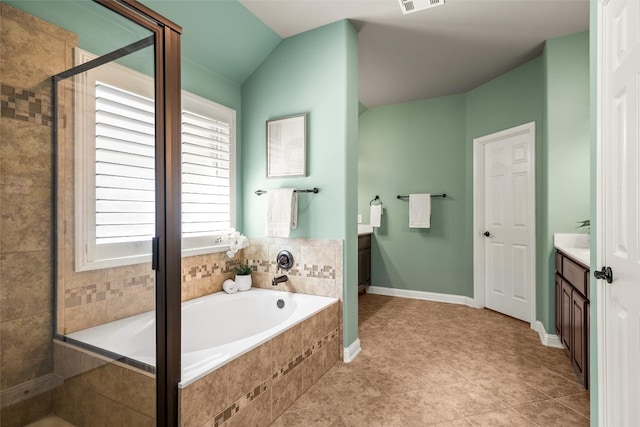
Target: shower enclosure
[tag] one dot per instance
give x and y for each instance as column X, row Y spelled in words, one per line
column 118, row 217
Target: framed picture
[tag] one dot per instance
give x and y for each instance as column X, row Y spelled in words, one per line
column 287, row 146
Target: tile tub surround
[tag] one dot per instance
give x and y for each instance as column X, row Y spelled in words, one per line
column 257, row 387
column 466, row 367
column 317, row 268
column 97, row 391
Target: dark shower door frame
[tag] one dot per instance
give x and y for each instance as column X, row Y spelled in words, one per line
column 168, row 234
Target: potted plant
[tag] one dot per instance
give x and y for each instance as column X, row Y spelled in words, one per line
column 586, row 223
column 243, row 277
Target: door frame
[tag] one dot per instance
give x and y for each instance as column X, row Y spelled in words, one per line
column 599, row 246
column 479, row 144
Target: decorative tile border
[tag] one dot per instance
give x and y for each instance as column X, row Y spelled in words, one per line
column 95, row 292
column 22, row 104
column 204, row 271
column 321, row 272
column 307, row 270
column 250, row 396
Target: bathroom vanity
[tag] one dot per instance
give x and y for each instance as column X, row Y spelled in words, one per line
column 572, row 303
column 364, row 261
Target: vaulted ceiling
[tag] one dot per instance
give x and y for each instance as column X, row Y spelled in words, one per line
column 439, row 51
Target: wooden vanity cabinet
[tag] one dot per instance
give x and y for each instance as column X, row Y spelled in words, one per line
column 567, row 325
column 572, row 313
column 364, row 262
column 579, row 334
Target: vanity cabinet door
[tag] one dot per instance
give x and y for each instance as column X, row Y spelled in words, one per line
column 566, row 316
column 559, row 306
column 578, row 335
column 364, row 262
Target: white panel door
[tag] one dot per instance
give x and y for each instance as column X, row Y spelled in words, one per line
column 619, row 46
column 508, row 219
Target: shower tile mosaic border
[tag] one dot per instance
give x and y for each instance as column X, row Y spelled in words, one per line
column 204, row 271
column 88, row 294
column 95, row 292
column 311, row 270
column 24, row 105
column 257, row 391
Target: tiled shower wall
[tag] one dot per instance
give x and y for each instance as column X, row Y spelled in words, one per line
column 32, row 51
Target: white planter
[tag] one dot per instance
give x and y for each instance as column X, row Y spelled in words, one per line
column 243, row 282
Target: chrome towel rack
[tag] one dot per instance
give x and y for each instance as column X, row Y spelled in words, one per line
column 314, row 190
column 435, row 196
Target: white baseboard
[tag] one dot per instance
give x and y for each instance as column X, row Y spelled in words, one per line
column 550, row 340
column 352, row 351
column 427, row 296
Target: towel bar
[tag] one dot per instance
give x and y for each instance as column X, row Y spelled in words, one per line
column 376, row 199
column 433, row 196
column 312, row 190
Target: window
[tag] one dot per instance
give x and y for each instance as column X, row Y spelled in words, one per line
column 115, row 169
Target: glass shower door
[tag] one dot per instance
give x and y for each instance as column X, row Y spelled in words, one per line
column 115, row 234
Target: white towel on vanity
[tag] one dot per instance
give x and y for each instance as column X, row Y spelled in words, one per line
column 375, row 215
column 420, row 210
column 282, row 212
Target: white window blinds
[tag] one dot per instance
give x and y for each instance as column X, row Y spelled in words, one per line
column 206, row 175
column 125, row 166
column 114, row 168
column 125, row 169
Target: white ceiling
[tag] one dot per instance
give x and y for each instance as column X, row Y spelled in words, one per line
column 435, row 52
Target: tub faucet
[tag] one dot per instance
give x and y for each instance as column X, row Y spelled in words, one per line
column 279, row 279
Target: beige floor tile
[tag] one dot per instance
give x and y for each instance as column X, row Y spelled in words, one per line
column 426, row 363
column 549, row 382
column 578, row 402
column 458, row 422
column 470, row 399
column 321, row 416
column 550, row 413
column 416, row 408
column 503, row 418
column 511, row 390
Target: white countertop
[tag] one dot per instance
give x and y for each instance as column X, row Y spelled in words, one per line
column 364, row 229
column 577, row 246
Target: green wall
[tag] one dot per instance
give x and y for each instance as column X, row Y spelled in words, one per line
column 567, row 154
column 315, row 73
column 512, row 99
column 412, row 148
column 427, row 146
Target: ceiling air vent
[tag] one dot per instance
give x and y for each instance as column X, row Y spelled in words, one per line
column 410, row 6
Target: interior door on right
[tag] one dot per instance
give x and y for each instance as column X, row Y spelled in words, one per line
column 620, row 79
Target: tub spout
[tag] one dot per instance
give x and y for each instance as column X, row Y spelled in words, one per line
column 279, row 279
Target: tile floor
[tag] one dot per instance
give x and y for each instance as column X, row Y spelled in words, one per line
column 426, row 363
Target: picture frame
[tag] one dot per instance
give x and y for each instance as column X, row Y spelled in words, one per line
column 287, row 146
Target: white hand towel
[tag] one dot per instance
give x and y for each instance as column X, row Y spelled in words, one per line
column 282, row 212
column 229, row 286
column 420, row 210
column 375, row 215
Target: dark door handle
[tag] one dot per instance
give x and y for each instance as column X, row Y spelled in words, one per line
column 606, row 273
column 487, row 234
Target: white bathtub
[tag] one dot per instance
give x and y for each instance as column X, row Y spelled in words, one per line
column 216, row 328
